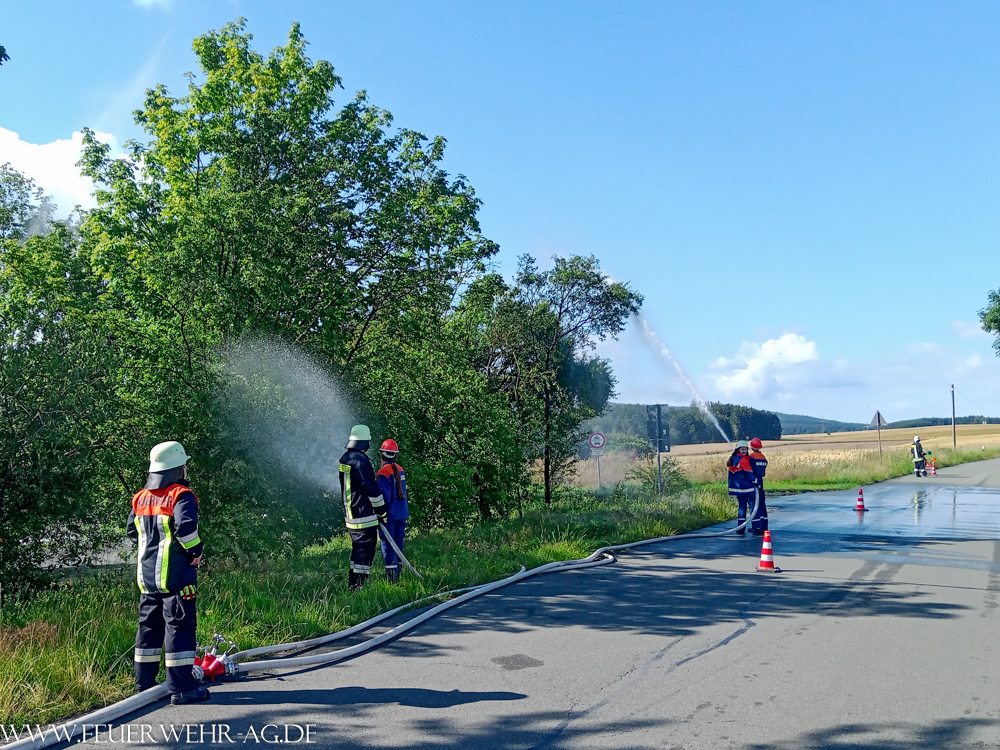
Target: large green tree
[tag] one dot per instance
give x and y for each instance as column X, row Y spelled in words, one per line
column 556, row 317
column 258, row 208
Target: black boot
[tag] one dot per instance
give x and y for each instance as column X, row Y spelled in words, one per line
column 145, row 675
column 356, row 580
column 392, row 575
column 198, row 695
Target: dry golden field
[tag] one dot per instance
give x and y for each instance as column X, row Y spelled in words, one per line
column 838, row 457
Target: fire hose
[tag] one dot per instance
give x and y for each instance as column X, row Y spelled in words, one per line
column 230, row 663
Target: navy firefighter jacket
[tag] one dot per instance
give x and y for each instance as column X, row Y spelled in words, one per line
column 759, row 465
column 741, row 478
column 164, row 523
column 395, row 495
column 359, row 490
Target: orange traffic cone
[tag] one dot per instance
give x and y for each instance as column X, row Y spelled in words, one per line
column 767, row 556
column 861, row 501
column 933, row 467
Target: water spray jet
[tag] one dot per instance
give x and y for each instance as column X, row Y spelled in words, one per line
column 660, row 349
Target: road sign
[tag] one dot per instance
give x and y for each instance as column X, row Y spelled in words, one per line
column 597, row 440
column 597, row 452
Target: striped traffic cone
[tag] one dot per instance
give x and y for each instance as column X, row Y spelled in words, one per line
column 767, row 556
column 933, row 467
column 861, row 501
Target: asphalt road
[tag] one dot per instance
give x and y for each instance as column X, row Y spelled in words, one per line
column 881, row 632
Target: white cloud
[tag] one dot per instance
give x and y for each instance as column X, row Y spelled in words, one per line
column 766, row 370
column 967, row 329
column 53, row 166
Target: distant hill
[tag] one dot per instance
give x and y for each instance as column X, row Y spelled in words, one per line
column 800, row 424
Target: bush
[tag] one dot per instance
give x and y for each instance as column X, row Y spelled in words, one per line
column 644, row 472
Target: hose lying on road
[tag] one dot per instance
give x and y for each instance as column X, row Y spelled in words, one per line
column 108, row 714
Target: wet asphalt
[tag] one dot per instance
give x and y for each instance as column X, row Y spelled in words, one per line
column 881, row 631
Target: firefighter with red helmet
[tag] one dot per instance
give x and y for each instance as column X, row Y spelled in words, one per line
column 392, row 485
column 364, row 506
column 758, row 524
column 163, row 523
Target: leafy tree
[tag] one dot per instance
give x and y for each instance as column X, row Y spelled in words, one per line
column 562, row 312
column 54, row 410
column 20, row 201
column 258, row 209
column 4, row 57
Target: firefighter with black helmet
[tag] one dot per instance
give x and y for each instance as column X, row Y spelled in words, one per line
column 163, row 523
column 364, row 506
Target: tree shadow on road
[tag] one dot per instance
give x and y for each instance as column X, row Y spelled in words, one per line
column 360, row 696
column 671, row 601
column 950, row 733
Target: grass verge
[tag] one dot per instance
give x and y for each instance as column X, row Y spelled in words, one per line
column 839, row 469
column 69, row 649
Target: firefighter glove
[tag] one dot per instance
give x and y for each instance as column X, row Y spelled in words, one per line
column 383, row 516
column 189, row 592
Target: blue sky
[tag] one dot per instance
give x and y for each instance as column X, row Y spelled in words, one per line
column 806, row 193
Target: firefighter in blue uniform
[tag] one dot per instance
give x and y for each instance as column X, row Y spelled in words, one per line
column 163, row 523
column 742, row 482
column 758, row 524
column 392, row 485
column 364, row 507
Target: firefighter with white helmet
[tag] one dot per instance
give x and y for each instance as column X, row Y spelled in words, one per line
column 919, row 457
column 163, row 523
column 742, row 481
column 364, row 506
column 392, row 485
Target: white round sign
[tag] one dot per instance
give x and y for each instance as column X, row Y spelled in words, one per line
column 597, row 440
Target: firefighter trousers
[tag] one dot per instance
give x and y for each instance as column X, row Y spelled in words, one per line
column 363, row 544
column 398, row 531
column 167, row 625
column 759, row 522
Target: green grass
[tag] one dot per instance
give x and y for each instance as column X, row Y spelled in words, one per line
column 69, row 649
column 868, row 469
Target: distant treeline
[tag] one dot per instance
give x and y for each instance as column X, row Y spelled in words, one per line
column 800, row 424
column 688, row 425
column 935, row 421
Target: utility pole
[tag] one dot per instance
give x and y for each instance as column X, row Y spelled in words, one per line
column 954, row 441
column 659, row 431
column 878, row 418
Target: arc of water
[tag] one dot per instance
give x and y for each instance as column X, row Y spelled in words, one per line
column 663, row 352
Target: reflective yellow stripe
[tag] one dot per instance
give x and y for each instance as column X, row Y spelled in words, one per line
column 142, row 550
column 192, row 543
column 165, row 550
column 345, row 471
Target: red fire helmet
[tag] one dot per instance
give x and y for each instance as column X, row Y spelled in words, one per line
column 389, row 446
column 756, row 444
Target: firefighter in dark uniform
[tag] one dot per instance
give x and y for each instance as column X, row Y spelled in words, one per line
column 363, row 505
column 919, row 457
column 163, row 523
column 758, row 524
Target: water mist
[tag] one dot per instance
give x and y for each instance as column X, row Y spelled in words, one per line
column 286, row 411
column 660, row 350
